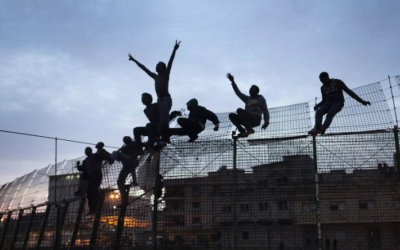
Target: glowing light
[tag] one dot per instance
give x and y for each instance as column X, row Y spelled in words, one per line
column 117, row 196
column 112, row 196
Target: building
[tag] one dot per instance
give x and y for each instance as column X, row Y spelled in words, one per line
column 277, row 209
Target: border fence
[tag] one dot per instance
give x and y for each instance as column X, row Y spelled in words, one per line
column 276, row 189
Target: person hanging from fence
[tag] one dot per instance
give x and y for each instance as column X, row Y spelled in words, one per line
column 332, row 102
column 161, row 84
column 129, row 165
column 101, row 155
column 152, row 112
column 195, row 123
column 91, row 168
column 249, row 117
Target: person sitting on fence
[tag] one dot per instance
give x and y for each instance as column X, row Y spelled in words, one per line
column 129, row 164
column 249, row 117
column 195, row 123
column 91, row 168
column 102, row 155
column 152, row 111
column 161, row 84
column 332, row 102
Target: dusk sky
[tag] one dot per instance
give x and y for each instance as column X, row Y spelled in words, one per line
column 64, row 69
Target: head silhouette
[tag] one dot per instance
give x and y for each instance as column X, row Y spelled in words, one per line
column 324, row 78
column 127, row 139
column 161, row 67
column 88, row 151
column 254, row 90
column 100, row 145
column 192, row 103
column 147, row 99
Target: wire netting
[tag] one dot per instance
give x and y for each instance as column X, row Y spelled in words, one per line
column 276, row 189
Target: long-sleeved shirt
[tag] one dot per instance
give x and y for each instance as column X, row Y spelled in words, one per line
column 333, row 92
column 201, row 115
column 92, row 164
column 256, row 105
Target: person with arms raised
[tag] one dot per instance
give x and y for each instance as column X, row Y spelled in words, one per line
column 250, row 116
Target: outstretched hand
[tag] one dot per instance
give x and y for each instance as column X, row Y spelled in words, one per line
column 265, row 125
column 216, row 127
column 130, row 57
column 315, row 108
column 366, row 103
column 230, row 77
column 177, row 44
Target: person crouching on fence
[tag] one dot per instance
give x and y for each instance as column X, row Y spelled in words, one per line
column 129, row 165
column 91, row 168
column 332, row 102
column 195, row 123
column 249, row 117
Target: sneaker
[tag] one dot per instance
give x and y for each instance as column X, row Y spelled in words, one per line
column 192, row 139
column 323, row 130
column 314, row 132
column 247, row 133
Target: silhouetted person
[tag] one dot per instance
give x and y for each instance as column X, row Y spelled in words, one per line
column 327, row 244
column 92, row 166
column 281, row 246
column 196, row 121
column 129, row 164
column 249, row 117
column 161, row 83
column 334, row 245
column 152, row 111
column 101, row 155
column 332, row 102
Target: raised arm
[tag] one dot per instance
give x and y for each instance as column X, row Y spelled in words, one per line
column 352, row 94
column 151, row 74
column 242, row 96
column 171, row 60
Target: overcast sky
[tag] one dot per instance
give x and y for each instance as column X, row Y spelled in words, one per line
column 64, row 69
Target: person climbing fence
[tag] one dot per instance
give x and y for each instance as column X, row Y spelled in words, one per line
column 249, row 117
column 129, row 164
column 161, row 84
column 195, row 123
column 91, row 168
column 332, row 102
column 152, row 112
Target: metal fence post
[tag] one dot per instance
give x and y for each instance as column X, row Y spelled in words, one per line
column 61, row 214
column 77, row 222
column 396, row 138
column 14, row 238
column 28, row 229
column 317, row 202
column 43, row 228
column 234, row 194
column 96, row 223
column 156, row 157
column 120, row 227
column 3, row 237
